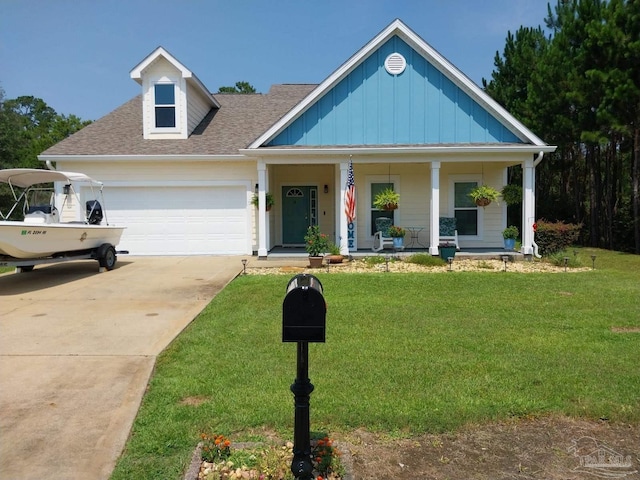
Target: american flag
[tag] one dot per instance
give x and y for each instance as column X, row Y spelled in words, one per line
column 350, row 195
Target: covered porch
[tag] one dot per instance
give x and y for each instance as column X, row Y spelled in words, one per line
column 428, row 189
column 299, row 253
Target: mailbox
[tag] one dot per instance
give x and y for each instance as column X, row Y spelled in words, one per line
column 304, row 310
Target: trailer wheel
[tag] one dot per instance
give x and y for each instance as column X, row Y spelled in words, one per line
column 107, row 256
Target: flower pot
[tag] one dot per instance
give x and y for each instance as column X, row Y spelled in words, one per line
column 335, row 258
column 390, row 206
column 398, row 242
column 446, row 252
column 315, row 262
column 483, row 202
column 509, row 243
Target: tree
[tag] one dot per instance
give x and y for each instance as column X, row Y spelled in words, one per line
column 240, row 87
column 580, row 89
column 28, row 126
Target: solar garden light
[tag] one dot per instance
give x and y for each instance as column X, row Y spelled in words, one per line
column 303, row 320
column 593, row 262
column 505, row 259
column 386, row 262
column 244, row 266
column 450, row 262
column 566, row 262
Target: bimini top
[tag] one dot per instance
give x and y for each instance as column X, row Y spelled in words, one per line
column 25, row 177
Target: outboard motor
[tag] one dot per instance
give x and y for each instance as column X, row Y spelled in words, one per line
column 94, row 212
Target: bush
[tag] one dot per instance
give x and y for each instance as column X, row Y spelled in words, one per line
column 573, row 261
column 553, row 237
column 425, row 259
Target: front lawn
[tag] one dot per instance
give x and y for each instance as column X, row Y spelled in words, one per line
column 405, row 354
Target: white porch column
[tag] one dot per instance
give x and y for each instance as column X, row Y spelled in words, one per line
column 434, row 214
column 343, row 231
column 528, row 205
column 262, row 210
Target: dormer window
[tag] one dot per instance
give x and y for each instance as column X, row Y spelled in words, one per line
column 165, row 105
column 174, row 100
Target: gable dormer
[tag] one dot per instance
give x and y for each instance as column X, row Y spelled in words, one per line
column 174, row 100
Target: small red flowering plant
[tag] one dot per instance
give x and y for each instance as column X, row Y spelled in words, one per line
column 215, row 448
column 326, row 459
column 396, row 232
column 316, row 243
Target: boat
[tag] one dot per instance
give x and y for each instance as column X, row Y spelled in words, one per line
column 45, row 224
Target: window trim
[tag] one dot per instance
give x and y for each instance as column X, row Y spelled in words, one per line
column 370, row 179
column 175, row 106
column 453, row 179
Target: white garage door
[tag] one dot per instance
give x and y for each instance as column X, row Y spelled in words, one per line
column 180, row 220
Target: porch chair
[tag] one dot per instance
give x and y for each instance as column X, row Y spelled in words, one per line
column 381, row 238
column 448, row 231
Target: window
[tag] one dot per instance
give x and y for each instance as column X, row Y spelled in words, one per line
column 165, row 105
column 375, row 213
column 465, row 209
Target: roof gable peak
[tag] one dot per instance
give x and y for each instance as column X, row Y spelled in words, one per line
column 400, row 29
column 160, row 52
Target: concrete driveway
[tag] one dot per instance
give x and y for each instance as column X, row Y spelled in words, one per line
column 77, row 348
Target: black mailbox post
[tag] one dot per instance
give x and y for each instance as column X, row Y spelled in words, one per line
column 303, row 320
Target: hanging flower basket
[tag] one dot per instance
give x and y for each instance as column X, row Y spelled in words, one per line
column 483, row 195
column 387, row 199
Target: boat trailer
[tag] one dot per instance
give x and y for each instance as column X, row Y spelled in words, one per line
column 105, row 254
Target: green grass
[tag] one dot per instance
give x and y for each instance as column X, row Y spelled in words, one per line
column 405, row 354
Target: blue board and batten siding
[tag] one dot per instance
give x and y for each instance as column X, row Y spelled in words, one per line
column 371, row 107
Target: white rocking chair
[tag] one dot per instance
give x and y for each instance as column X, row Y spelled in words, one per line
column 448, row 231
column 381, row 238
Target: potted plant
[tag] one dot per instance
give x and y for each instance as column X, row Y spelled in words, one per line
column 512, row 194
column 510, row 234
column 447, row 250
column 483, row 195
column 334, row 253
column 316, row 244
column 268, row 199
column 387, row 199
column 397, row 233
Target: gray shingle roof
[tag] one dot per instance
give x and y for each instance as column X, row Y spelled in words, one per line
column 239, row 121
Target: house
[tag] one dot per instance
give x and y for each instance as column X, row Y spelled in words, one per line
column 180, row 165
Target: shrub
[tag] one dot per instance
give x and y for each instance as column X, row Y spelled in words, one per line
column 573, row 261
column 553, row 237
column 425, row 259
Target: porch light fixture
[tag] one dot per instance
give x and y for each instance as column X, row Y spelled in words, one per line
column 505, row 259
column 66, row 189
column 566, row 262
column 326, row 188
column 244, row 266
column 593, row 262
column 450, row 262
column 256, row 189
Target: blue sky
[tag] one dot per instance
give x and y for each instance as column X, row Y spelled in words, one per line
column 77, row 54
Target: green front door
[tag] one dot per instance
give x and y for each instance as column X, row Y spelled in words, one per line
column 299, row 210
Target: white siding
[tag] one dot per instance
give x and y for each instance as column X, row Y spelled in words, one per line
column 163, row 71
column 197, row 108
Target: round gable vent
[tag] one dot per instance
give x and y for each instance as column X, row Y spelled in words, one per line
column 395, row 64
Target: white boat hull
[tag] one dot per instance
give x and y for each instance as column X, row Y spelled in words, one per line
column 28, row 240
